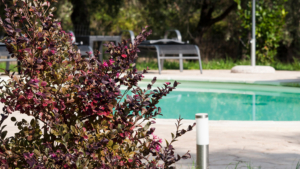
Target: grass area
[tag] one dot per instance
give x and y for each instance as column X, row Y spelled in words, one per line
column 12, row 67
column 191, row 65
column 213, row 64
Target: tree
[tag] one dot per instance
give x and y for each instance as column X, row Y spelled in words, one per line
column 270, row 18
column 208, row 8
column 290, row 44
column 81, row 14
column 88, row 122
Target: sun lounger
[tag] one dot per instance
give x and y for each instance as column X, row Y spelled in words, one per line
column 172, row 49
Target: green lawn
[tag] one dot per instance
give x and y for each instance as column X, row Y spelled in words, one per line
column 213, row 64
column 12, row 67
column 191, row 65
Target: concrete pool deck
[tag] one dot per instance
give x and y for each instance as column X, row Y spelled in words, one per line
column 265, row 144
column 277, row 78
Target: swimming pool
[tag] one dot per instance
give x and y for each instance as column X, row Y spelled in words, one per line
column 225, row 101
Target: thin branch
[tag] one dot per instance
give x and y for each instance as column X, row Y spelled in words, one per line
column 225, row 13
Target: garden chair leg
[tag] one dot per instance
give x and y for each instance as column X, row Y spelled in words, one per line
column 19, row 67
column 199, row 57
column 158, row 58
column 180, row 62
column 101, row 51
column 7, row 65
column 162, row 63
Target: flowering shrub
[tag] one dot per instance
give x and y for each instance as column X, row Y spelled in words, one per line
column 80, row 117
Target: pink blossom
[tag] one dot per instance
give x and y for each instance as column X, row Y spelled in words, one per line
column 84, row 129
column 35, row 80
column 36, row 101
column 130, row 160
column 118, row 74
column 28, row 156
column 53, row 52
column 168, row 83
column 155, row 137
column 105, row 64
column 44, row 83
column 30, row 95
column 124, row 56
column 111, row 61
column 53, row 155
column 28, row 50
column 121, row 163
column 160, row 165
column 55, row 110
column 70, row 77
column 160, row 140
column 85, row 137
column 90, row 52
column 157, row 147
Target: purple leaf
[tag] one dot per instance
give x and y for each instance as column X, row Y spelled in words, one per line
column 154, row 80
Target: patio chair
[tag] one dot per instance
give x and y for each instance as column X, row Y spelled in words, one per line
column 90, row 39
column 167, row 48
column 83, row 48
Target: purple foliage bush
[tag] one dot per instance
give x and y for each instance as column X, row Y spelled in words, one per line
column 80, row 117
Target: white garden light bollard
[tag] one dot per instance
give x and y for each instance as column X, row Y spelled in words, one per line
column 202, row 138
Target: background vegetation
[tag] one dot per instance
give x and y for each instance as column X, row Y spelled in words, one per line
column 221, row 28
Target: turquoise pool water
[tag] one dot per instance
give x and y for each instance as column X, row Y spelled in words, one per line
column 232, row 102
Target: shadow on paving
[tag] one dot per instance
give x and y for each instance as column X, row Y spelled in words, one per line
column 223, row 160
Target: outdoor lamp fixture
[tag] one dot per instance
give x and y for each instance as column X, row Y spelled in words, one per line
column 202, row 140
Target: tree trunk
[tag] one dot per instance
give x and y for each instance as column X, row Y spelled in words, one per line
column 206, row 20
column 80, row 16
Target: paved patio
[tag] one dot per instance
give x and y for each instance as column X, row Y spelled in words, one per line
column 265, row 144
column 269, row 145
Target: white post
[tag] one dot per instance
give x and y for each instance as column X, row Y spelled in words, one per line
column 202, row 139
column 253, row 41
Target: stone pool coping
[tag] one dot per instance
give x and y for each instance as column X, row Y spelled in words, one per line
column 286, row 78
